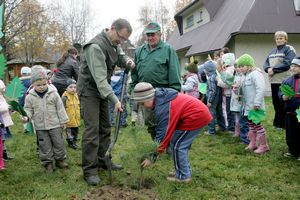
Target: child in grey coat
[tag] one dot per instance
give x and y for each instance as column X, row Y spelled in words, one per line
column 44, row 107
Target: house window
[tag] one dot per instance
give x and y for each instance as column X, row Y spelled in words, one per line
column 200, row 16
column 297, row 6
column 190, row 21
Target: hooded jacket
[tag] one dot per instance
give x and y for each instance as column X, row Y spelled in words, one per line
column 47, row 112
column 177, row 111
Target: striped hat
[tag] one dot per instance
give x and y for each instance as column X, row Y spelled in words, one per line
column 143, row 92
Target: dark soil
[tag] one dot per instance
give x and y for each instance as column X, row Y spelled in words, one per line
column 110, row 192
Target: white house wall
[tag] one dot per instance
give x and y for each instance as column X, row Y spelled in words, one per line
column 259, row 46
column 197, row 21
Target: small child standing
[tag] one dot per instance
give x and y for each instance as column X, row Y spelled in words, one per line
column 253, row 97
column 7, row 121
column 44, row 107
column 190, row 87
column 2, row 131
column 235, row 101
column 214, row 98
column 72, row 106
column 292, row 103
column 26, row 82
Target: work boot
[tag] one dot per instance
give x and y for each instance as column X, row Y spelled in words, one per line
column 252, row 137
column 61, row 164
column 263, row 145
column 72, row 146
column 6, row 157
column 49, row 167
column 133, row 123
column 92, row 180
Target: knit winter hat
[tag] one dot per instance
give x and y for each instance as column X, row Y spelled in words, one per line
column 25, row 70
column 70, row 81
column 296, row 61
column 245, row 60
column 210, row 66
column 143, row 92
column 37, row 73
column 228, row 59
column 193, row 67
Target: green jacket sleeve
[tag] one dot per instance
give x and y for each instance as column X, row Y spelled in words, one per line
column 96, row 62
column 174, row 70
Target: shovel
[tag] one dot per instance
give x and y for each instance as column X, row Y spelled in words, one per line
column 107, row 158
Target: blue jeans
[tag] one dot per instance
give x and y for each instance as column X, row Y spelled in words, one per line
column 180, row 144
column 217, row 114
column 244, row 129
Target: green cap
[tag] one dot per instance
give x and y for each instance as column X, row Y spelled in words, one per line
column 245, row 60
column 152, row 27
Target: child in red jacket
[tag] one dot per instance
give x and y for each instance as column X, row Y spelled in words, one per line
column 179, row 119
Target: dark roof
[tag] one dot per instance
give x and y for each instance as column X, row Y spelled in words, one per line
column 19, row 61
column 231, row 17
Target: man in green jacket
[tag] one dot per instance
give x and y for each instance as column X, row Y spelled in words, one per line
column 156, row 63
column 99, row 58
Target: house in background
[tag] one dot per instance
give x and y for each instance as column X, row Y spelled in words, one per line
column 244, row 26
column 13, row 67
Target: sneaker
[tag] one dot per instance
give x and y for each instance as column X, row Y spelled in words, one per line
column 172, row 174
column 298, row 158
column 174, row 179
column 124, row 125
column 133, row 123
column 61, row 164
column 72, row 146
column 92, row 180
column 288, row 154
column 208, row 133
column 49, row 167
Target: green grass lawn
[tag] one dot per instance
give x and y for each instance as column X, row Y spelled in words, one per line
column 222, row 169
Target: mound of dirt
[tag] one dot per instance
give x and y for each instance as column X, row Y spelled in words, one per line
column 110, row 192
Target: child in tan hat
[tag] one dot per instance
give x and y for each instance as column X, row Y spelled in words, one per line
column 44, row 107
column 179, row 118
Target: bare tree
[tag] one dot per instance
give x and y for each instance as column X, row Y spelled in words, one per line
column 13, row 24
column 35, row 36
column 73, row 15
column 180, row 4
column 154, row 12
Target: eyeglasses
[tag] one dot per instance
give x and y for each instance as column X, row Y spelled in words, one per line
column 150, row 34
column 122, row 38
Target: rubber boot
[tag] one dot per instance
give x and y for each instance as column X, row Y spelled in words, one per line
column 6, row 156
column 263, row 145
column 252, row 137
column 237, row 127
column 2, row 164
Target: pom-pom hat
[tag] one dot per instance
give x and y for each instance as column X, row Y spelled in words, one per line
column 143, row 92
